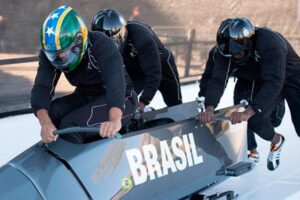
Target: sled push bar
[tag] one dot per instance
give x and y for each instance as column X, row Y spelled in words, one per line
column 79, row 129
column 201, row 107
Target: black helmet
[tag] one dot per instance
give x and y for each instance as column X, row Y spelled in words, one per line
column 234, row 38
column 110, row 22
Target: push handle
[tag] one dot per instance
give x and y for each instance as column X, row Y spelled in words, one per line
column 79, row 129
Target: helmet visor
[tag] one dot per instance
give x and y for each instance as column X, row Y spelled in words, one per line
column 223, row 49
column 230, row 48
column 235, row 47
column 62, row 59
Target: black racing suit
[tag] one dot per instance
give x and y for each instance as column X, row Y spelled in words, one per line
column 150, row 65
column 100, row 85
column 274, row 69
column 243, row 90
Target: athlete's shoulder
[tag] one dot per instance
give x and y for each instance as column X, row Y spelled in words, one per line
column 101, row 45
column 137, row 28
column 96, row 36
column 268, row 38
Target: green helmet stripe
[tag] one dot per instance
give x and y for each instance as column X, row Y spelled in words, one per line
column 58, row 26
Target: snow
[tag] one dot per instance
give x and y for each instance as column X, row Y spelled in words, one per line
column 17, row 134
column 20, row 132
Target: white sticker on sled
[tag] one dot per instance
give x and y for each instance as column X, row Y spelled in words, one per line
column 152, row 166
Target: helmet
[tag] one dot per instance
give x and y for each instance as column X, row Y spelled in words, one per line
column 110, row 22
column 234, row 38
column 64, row 38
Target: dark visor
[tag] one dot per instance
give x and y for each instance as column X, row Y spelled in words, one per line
column 230, row 48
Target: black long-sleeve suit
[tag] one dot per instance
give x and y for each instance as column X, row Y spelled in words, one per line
column 243, row 90
column 274, row 70
column 150, row 65
column 207, row 74
column 100, row 85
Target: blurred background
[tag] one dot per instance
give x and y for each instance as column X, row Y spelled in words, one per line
column 187, row 27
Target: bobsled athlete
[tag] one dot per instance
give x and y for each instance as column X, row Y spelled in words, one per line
column 150, row 65
column 242, row 91
column 265, row 58
column 91, row 62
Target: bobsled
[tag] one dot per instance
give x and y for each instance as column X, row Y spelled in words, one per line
column 162, row 154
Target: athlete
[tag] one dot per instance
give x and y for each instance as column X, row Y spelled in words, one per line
column 91, row 62
column 149, row 63
column 243, row 91
column 265, row 58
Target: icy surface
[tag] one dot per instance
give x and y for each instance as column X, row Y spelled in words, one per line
column 20, row 132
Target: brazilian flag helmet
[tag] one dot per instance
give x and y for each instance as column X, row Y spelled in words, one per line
column 64, row 38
